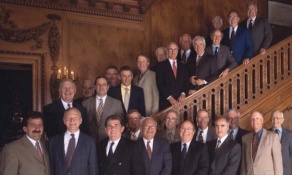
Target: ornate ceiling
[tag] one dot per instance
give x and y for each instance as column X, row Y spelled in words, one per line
column 124, row 9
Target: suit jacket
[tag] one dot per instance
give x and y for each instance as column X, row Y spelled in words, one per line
column 211, row 135
column 168, row 85
column 160, row 163
column 224, row 58
column 261, row 33
column 128, row 135
column 191, row 56
column 136, row 98
column 84, row 160
column 226, row 159
column 111, row 107
column 196, row 161
column 268, row 159
column 242, row 45
column 163, row 134
column 206, row 69
column 148, row 83
column 53, row 118
column 286, row 145
column 120, row 162
column 241, row 132
column 21, row 157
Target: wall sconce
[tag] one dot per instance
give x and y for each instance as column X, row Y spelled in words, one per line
column 57, row 77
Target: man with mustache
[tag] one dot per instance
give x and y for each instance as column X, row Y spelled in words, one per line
column 29, row 154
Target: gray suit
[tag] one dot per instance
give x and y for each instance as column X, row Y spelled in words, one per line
column 261, row 33
column 111, row 107
column 224, row 58
column 148, row 83
column 21, row 157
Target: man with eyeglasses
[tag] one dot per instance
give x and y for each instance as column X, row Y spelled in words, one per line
column 171, row 130
column 171, row 79
column 133, row 132
column 188, row 155
column 285, row 137
column 238, row 39
column 260, row 29
column 151, row 154
column 114, row 152
column 100, row 107
column 235, row 132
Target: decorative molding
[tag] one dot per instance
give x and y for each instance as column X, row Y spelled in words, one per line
column 91, row 9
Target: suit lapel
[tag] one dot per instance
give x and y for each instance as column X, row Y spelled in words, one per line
column 169, row 69
column 31, row 148
column 284, row 138
column 262, row 143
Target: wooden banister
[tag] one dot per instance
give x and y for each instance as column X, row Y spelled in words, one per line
column 241, row 86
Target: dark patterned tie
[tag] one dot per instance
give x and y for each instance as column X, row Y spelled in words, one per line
column 250, row 24
column 231, row 135
column 37, row 144
column 232, row 36
column 68, row 105
column 70, row 151
column 277, row 131
column 201, row 137
column 216, row 51
column 183, row 156
column 99, row 111
column 255, row 144
column 218, row 144
column 198, row 60
column 149, row 150
column 184, row 57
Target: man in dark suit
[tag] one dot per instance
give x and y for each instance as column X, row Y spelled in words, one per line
column 224, row 59
column 285, row 137
column 185, row 53
column 151, row 155
column 172, row 79
column 238, row 39
column 111, row 74
column 235, row 132
column 189, row 157
column 54, row 112
column 73, row 152
column 134, row 131
column 224, row 153
column 204, row 134
column 260, row 29
column 87, row 91
column 202, row 68
column 131, row 96
column 171, row 130
column 29, row 154
column 114, row 152
column 100, row 107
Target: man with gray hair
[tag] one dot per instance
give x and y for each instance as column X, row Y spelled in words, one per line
column 261, row 149
column 235, row 132
column 171, row 130
column 203, row 68
column 185, row 53
column 285, row 137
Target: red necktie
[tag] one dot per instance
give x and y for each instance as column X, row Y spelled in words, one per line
column 39, row 150
column 174, row 69
column 149, row 150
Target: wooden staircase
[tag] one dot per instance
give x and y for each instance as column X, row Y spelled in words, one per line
column 264, row 84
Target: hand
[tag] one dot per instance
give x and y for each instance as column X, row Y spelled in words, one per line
column 192, row 92
column 181, row 98
column 193, row 80
column 245, row 61
column 173, row 102
column 263, row 51
column 224, row 73
column 200, row 82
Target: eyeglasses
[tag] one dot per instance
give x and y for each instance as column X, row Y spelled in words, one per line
column 150, row 127
column 276, row 118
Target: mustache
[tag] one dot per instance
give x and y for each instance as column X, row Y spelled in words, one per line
column 36, row 132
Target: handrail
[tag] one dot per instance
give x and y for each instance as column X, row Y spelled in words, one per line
column 241, row 86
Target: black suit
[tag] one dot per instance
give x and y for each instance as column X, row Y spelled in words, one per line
column 191, row 56
column 196, row 161
column 136, row 98
column 84, row 160
column 160, row 163
column 120, row 162
column 53, row 118
column 206, row 69
column 241, row 132
column 211, row 135
column 168, row 85
column 226, row 159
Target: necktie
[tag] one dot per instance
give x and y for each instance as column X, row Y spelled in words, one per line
column 39, row 151
column 170, row 137
column 231, row 135
column 216, row 51
column 149, row 150
column 99, row 111
column 140, row 77
column 198, row 60
column 277, row 131
column 126, row 99
column 134, row 137
column 68, row 105
column 184, row 57
column 183, row 156
column 201, row 137
column 218, row 144
column 174, row 69
column 232, row 36
column 250, row 24
column 254, row 146
column 110, row 151
column 70, row 151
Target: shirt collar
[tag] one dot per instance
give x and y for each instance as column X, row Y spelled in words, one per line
column 124, row 87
